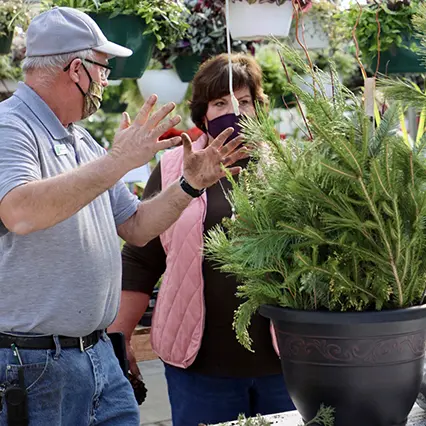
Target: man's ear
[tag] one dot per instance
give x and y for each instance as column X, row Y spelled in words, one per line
column 74, row 70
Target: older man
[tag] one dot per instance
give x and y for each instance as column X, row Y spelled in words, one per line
column 61, row 205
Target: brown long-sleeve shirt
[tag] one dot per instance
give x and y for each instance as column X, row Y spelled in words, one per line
column 220, row 353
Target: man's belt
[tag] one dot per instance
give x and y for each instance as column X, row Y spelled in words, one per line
column 47, row 342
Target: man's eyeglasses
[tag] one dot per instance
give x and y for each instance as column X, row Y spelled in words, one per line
column 105, row 69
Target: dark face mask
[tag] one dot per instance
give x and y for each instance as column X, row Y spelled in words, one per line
column 218, row 125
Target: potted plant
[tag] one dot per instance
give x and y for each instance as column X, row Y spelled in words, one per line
column 316, row 26
column 12, row 13
column 206, row 37
column 396, row 47
column 329, row 242
column 137, row 24
column 162, row 80
column 10, row 74
column 112, row 98
column 254, row 19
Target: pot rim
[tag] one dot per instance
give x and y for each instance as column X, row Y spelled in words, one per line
column 278, row 313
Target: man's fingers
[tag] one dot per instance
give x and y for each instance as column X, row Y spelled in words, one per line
column 125, row 121
column 164, row 127
column 146, row 109
column 187, row 144
column 231, row 146
column 221, row 139
column 159, row 115
column 168, row 143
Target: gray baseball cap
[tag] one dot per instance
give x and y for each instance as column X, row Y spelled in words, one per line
column 64, row 30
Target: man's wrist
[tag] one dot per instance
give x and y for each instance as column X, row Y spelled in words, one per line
column 117, row 163
column 190, row 190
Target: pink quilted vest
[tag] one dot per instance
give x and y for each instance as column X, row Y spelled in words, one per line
column 178, row 320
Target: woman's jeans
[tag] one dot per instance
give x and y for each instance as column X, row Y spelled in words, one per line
column 67, row 387
column 196, row 398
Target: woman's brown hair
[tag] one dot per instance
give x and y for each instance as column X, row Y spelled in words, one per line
column 212, row 82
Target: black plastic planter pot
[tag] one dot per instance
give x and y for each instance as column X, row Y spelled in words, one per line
column 187, row 67
column 366, row 365
column 128, row 31
column 6, row 43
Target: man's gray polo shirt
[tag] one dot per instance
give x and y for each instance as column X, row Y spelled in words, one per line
column 65, row 280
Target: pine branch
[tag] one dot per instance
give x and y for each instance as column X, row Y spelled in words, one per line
column 324, row 417
column 337, row 223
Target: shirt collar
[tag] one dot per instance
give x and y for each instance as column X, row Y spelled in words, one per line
column 42, row 111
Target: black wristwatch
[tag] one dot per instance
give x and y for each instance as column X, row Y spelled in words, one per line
column 194, row 193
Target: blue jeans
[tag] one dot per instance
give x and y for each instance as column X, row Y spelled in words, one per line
column 68, row 387
column 196, row 398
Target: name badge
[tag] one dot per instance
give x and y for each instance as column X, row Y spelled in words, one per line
column 61, row 149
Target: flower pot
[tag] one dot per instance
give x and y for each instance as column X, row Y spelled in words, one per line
column 311, row 34
column 399, row 60
column 8, row 86
column 127, row 30
column 259, row 20
column 368, row 366
column 187, row 67
column 165, row 83
column 6, row 43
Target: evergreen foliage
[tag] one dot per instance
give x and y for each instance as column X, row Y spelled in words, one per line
column 324, row 417
column 335, row 222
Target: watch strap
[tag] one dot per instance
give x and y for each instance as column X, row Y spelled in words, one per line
column 186, row 187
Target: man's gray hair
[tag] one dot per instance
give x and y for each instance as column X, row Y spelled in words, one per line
column 52, row 65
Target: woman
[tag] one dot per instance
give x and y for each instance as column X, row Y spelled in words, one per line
column 211, row 377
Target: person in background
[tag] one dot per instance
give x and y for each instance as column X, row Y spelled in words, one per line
column 211, row 378
column 62, row 204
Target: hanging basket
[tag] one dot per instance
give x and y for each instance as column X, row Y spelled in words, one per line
column 399, row 60
column 165, row 83
column 127, row 30
column 187, row 67
column 6, row 43
column 311, row 34
column 259, row 20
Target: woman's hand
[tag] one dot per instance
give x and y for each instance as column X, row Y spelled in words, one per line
column 204, row 168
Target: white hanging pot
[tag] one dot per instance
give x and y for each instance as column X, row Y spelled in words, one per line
column 114, row 82
column 165, row 83
column 259, row 20
column 305, row 83
column 8, row 86
column 311, row 35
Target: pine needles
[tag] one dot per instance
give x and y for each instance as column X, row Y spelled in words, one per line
column 324, row 417
column 334, row 223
